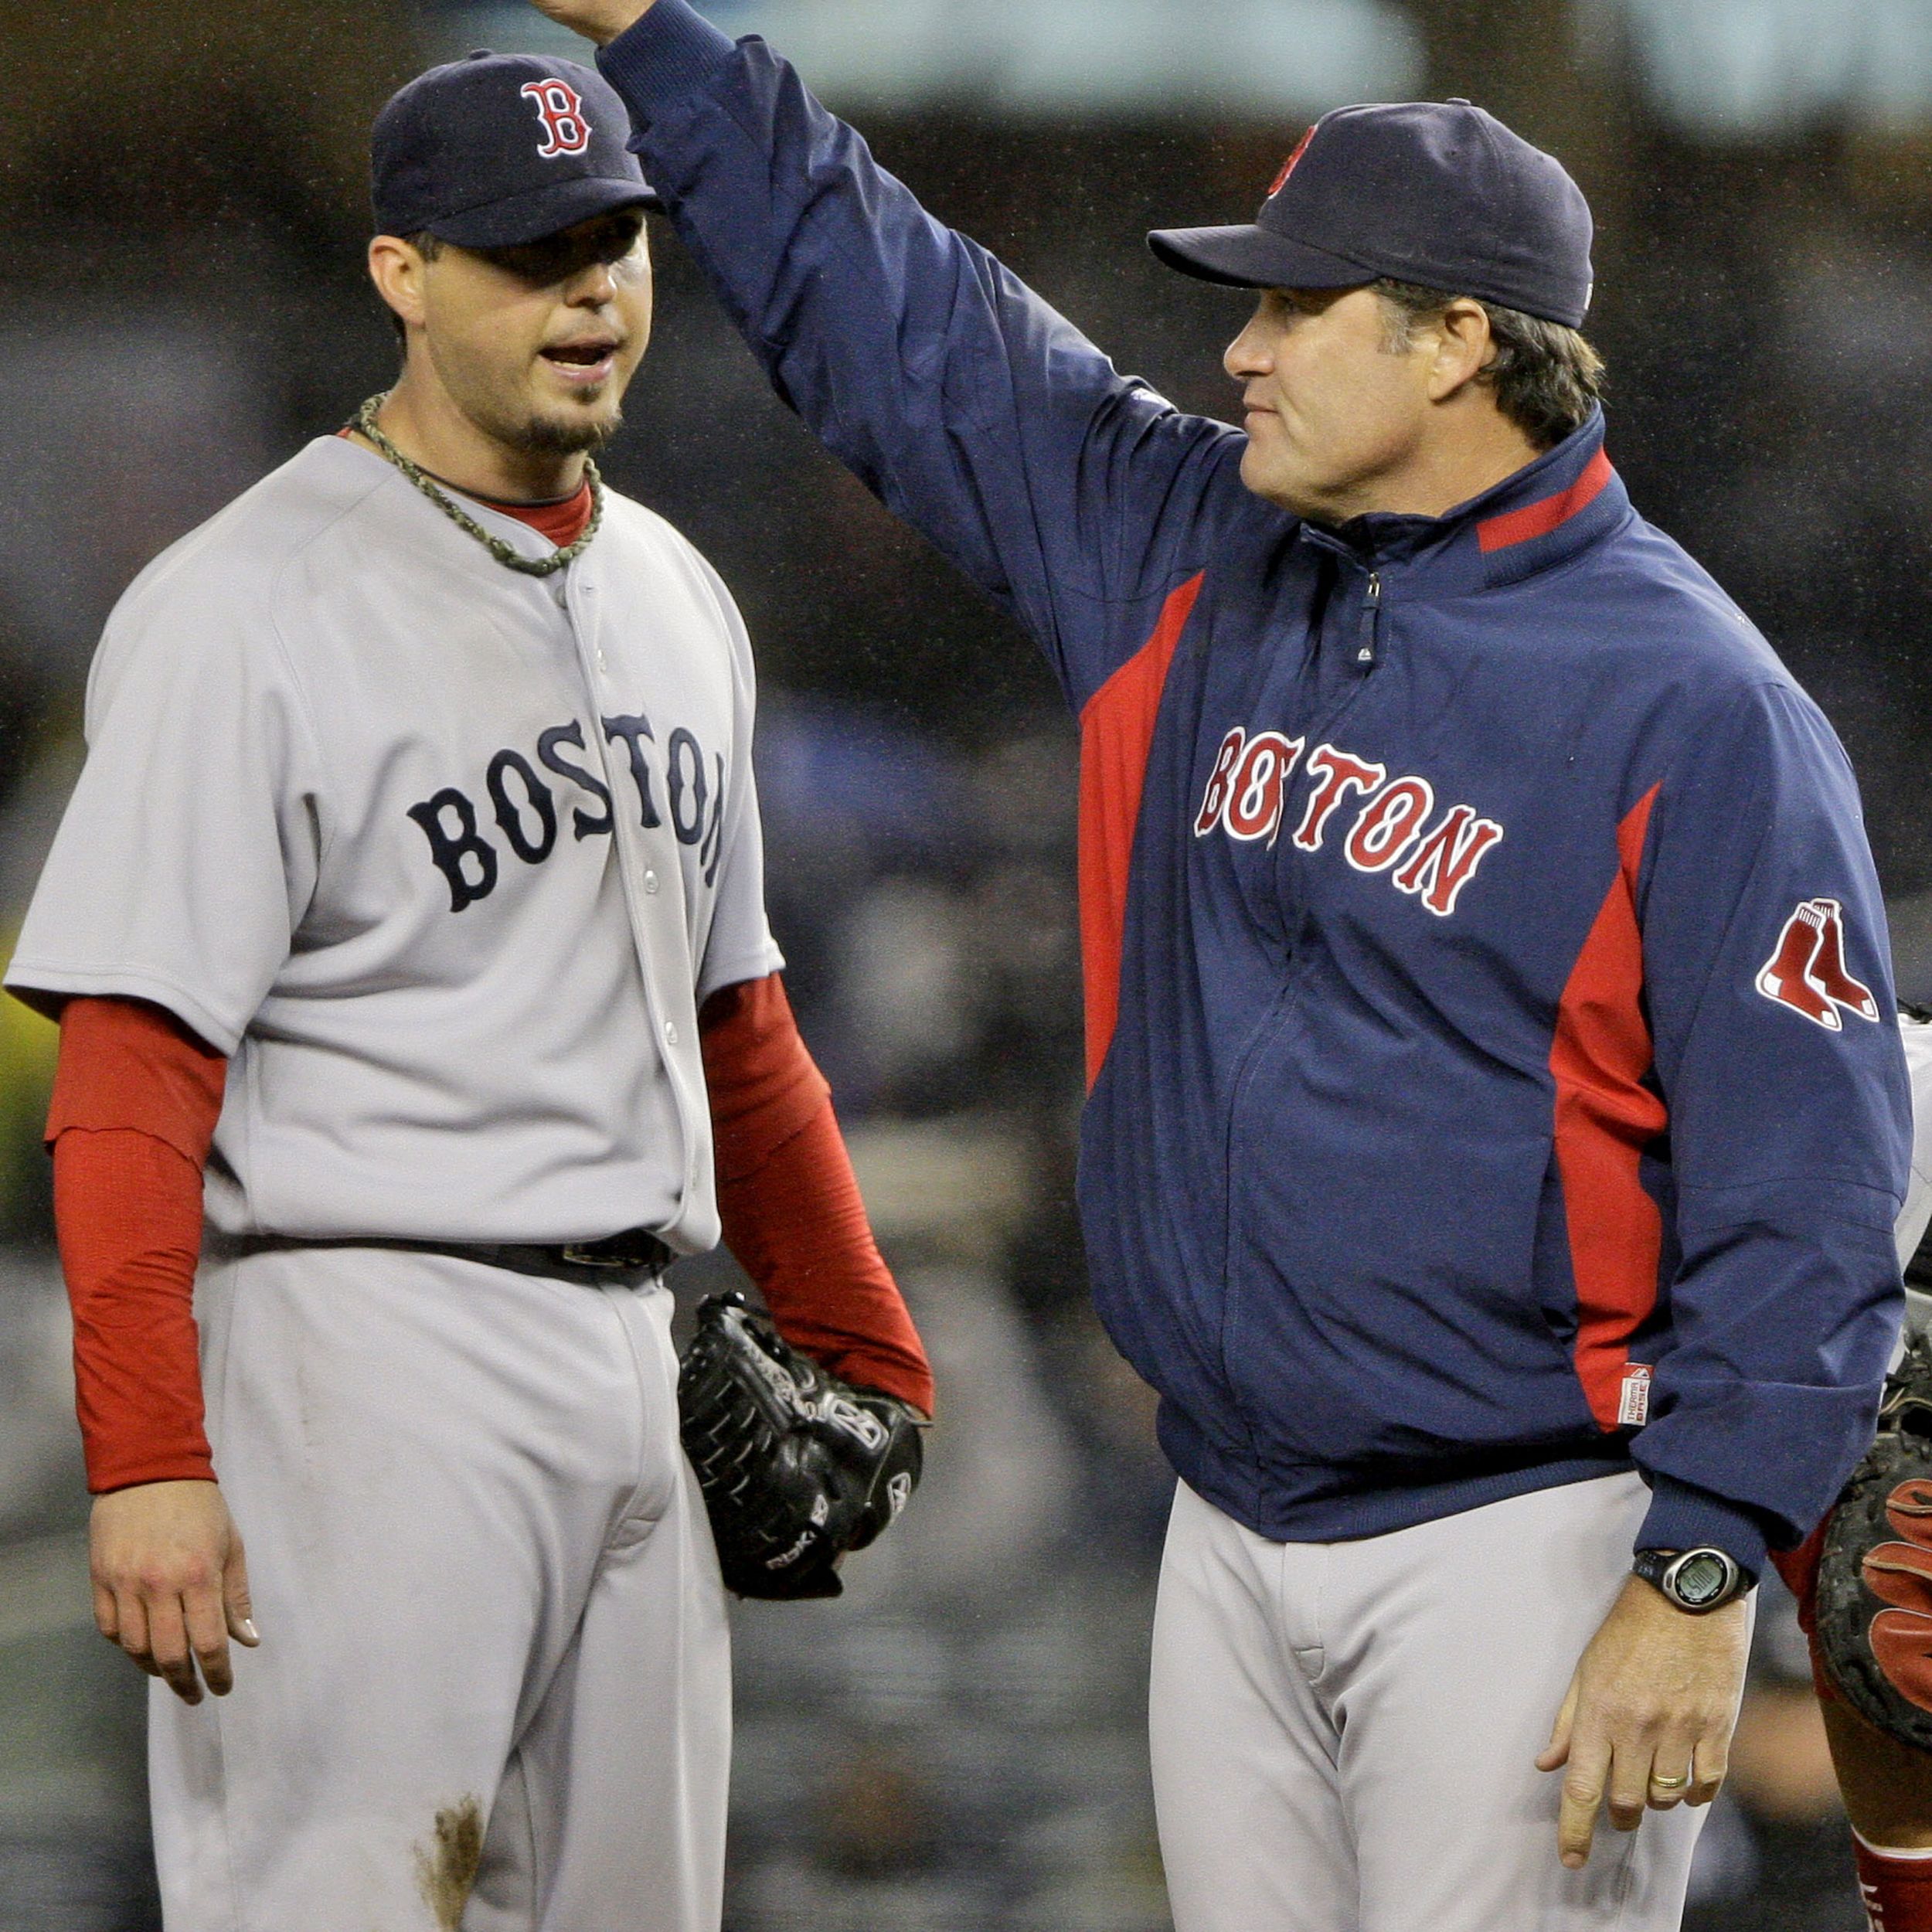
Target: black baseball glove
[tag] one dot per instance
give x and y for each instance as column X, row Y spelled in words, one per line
column 1874, row 1615
column 796, row 1467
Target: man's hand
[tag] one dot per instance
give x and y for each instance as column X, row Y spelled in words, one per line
column 599, row 20
column 1655, row 1696
column 171, row 1586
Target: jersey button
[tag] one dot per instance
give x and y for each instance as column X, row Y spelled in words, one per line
column 651, row 882
column 670, row 1032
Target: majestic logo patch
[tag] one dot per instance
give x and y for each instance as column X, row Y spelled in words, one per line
column 1248, row 786
column 560, row 108
column 1807, row 972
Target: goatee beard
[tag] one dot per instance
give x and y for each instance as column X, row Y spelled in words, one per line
column 545, row 436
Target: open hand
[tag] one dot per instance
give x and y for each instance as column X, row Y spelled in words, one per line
column 170, row 1585
column 1654, row 1697
column 599, row 20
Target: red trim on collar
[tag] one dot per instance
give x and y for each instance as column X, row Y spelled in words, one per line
column 1539, row 520
column 562, row 521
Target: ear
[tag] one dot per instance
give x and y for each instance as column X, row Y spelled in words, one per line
column 397, row 271
column 1463, row 348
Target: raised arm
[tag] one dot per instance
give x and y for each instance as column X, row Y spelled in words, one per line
column 1075, row 497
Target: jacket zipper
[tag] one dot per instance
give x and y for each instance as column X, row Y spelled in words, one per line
column 1279, row 1012
column 1371, row 621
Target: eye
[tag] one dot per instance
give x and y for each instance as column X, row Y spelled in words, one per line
column 538, row 262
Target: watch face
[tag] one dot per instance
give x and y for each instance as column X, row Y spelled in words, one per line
column 1701, row 1578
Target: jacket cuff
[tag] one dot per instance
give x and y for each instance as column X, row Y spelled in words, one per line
column 1682, row 1517
column 672, row 51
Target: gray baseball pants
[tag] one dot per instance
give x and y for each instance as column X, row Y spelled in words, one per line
column 493, row 1687
column 1344, row 1734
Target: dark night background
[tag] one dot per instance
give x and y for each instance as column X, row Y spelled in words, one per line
column 957, row 1746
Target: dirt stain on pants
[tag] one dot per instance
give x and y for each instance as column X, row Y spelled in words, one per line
column 445, row 1864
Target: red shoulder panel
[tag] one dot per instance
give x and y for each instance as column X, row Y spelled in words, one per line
column 1605, row 1116
column 1117, row 729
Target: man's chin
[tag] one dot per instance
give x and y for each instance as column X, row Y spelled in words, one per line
column 574, row 433
column 1265, row 479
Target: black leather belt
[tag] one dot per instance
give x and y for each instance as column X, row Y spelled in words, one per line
column 634, row 1248
column 635, row 1251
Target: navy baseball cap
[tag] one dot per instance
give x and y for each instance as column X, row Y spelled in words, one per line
column 1439, row 193
column 502, row 148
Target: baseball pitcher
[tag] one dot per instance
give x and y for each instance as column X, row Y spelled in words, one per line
column 418, row 1008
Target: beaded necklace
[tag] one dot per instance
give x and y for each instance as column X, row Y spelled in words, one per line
column 364, row 423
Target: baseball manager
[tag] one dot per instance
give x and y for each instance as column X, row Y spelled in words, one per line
column 1498, row 1115
column 412, row 894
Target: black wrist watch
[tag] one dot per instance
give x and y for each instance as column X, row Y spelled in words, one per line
column 1695, row 1580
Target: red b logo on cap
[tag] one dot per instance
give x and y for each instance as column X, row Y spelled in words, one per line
column 1288, row 166
column 565, row 131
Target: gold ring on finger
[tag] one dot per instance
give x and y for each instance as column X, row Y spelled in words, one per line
column 1658, row 1784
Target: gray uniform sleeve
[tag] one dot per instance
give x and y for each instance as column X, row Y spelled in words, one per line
column 192, row 842
column 1916, row 1036
column 739, row 945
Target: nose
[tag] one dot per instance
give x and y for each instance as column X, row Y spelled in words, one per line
column 1247, row 354
column 592, row 286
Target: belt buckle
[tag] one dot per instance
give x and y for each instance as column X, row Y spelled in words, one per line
column 633, row 1248
column 593, row 1254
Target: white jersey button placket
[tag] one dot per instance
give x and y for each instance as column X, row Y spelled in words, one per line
column 657, row 919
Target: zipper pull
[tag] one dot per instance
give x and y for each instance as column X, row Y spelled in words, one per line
column 1371, row 615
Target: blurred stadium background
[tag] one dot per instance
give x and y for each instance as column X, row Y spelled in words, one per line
column 957, row 1746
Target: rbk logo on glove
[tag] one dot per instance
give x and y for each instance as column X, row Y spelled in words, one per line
column 1807, row 972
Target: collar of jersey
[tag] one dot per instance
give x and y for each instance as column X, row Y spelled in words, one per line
column 1538, row 519
column 497, row 520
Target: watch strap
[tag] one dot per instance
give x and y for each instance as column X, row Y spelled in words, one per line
column 1696, row 1581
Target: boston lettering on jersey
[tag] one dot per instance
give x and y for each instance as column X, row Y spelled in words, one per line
column 525, row 808
column 1247, row 788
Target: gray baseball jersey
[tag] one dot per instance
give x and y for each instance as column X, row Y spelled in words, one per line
column 444, row 857
column 1916, row 1216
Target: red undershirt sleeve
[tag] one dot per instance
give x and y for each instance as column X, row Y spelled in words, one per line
column 790, row 1202
column 135, row 1100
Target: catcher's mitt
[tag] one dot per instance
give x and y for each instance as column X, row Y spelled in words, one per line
column 796, row 1467
column 1875, row 1572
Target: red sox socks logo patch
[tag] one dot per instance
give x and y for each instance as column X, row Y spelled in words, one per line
column 566, row 130
column 1246, row 789
column 1807, row 972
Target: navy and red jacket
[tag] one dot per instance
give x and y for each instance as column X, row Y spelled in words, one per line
column 1495, row 1077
